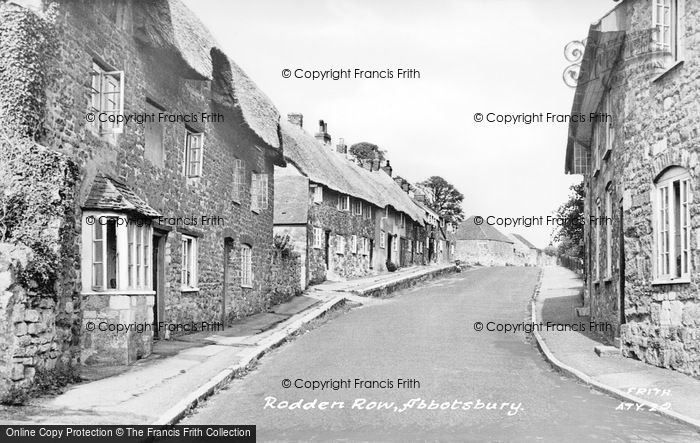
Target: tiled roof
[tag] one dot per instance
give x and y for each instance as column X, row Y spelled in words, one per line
column 468, row 230
column 110, row 194
column 323, row 165
column 525, row 241
column 291, row 200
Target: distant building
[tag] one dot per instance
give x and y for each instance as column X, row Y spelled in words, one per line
column 482, row 244
column 638, row 153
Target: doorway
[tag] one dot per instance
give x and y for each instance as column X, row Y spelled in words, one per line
column 621, row 266
column 327, row 249
column 158, row 280
column 389, row 247
column 371, row 254
column 228, row 248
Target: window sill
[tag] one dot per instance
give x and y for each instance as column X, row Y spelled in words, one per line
column 247, row 286
column 120, row 292
column 673, row 67
column 596, row 282
column 677, row 281
column 607, row 280
column 607, row 153
column 188, row 289
column 255, row 211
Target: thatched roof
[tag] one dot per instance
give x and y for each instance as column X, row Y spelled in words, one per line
column 168, row 25
column 468, row 230
column 323, row 165
column 291, row 200
column 110, row 194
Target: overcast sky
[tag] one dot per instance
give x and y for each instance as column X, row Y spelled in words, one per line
column 501, row 56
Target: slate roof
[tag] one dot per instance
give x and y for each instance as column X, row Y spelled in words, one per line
column 468, row 230
column 291, row 200
column 525, row 241
column 322, row 164
column 110, row 194
column 169, row 25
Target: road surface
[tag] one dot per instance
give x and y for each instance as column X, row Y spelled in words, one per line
column 448, row 381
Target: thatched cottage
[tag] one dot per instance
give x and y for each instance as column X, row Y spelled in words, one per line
column 346, row 219
column 169, row 218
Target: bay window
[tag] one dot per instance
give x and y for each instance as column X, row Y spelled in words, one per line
column 116, row 252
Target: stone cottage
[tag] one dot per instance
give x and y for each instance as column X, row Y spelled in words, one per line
column 482, row 244
column 173, row 145
column 346, row 219
column 638, row 153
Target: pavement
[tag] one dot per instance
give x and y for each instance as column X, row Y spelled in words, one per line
column 182, row 372
column 458, row 383
column 639, row 385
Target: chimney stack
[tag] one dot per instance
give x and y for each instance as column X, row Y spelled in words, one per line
column 419, row 196
column 296, row 119
column 387, row 168
column 375, row 164
column 342, row 147
column 322, row 135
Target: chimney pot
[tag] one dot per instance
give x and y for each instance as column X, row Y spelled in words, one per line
column 296, row 118
column 342, row 147
column 323, row 136
column 387, row 168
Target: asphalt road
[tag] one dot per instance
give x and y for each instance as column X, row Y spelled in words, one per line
column 492, row 386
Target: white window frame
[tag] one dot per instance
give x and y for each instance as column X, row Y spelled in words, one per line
column 382, row 239
column 395, row 244
column 259, row 190
column 666, row 269
column 339, row 244
column 609, row 127
column 667, row 24
column 194, row 154
column 367, row 211
column 246, row 266
column 357, row 207
column 343, row 202
column 317, row 194
column 595, row 148
column 103, row 86
column 608, row 232
column 238, row 180
column 317, row 237
column 353, row 244
column 189, row 262
column 133, row 274
column 596, row 226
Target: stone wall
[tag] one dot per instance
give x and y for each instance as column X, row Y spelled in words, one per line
column 39, row 299
column 85, row 34
column 48, row 101
column 485, row 253
column 346, row 265
column 656, row 120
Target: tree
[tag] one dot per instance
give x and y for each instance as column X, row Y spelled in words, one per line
column 446, row 199
column 569, row 233
column 367, row 151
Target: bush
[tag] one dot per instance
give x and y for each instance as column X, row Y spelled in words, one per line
column 391, row 266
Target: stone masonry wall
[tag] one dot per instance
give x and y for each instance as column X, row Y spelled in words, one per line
column 657, row 116
column 83, row 33
column 327, row 216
